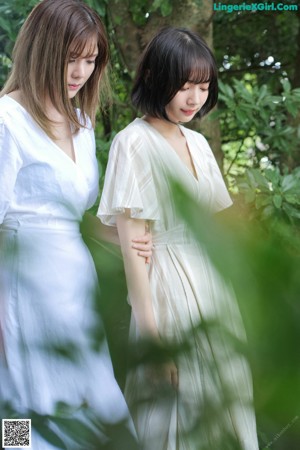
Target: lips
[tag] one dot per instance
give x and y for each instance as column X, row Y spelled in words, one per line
column 189, row 112
column 73, row 87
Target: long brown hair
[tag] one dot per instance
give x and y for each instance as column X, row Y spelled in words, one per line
column 41, row 54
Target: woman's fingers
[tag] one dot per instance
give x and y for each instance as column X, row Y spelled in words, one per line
column 172, row 374
column 162, row 375
column 145, row 239
column 174, row 378
column 144, row 246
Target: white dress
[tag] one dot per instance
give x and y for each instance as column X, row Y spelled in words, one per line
column 48, row 280
column 186, row 291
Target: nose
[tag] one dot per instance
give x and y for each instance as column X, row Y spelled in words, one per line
column 78, row 69
column 195, row 96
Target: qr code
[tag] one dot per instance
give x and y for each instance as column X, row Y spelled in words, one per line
column 16, row 433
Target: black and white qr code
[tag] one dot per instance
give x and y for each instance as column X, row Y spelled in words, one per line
column 16, row 433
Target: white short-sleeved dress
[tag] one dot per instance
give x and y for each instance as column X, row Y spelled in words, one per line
column 47, row 276
column 185, row 290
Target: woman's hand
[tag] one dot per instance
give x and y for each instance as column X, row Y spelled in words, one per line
column 172, row 373
column 165, row 374
column 144, row 246
column 93, row 228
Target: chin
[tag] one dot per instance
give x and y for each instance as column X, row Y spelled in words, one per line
column 186, row 119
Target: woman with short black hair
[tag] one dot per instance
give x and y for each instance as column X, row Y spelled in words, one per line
column 174, row 57
column 177, row 81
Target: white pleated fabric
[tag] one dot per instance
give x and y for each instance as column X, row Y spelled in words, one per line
column 186, row 290
column 48, row 280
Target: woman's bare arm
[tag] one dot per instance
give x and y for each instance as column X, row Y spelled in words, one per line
column 93, row 227
column 136, row 275
column 138, row 286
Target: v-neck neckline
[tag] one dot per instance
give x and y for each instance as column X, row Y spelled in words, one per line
column 58, row 149
column 172, row 150
column 73, row 161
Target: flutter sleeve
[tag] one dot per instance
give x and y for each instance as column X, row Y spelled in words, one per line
column 128, row 181
column 10, row 164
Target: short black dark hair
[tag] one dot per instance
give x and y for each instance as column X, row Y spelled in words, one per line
column 173, row 57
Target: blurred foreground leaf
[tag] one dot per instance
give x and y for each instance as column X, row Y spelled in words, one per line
column 265, row 274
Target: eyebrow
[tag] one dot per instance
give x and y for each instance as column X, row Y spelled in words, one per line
column 198, row 82
column 75, row 56
column 91, row 54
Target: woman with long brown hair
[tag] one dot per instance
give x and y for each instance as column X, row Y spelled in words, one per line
column 48, row 179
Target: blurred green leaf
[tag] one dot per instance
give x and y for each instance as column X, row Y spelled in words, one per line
column 277, row 200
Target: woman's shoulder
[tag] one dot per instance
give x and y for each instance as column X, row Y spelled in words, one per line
column 8, row 106
column 133, row 131
column 11, row 115
column 130, row 137
column 10, row 126
column 129, row 143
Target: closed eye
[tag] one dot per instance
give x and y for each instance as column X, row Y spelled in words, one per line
column 89, row 60
column 204, row 86
column 185, row 87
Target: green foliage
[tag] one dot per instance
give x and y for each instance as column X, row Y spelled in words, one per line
column 261, row 42
column 141, row 11
column 264, row 269
column 12, row 16
column 258, row 127
column 259, row 117
column 100, row 6
column 80, row 428
column 272, row 195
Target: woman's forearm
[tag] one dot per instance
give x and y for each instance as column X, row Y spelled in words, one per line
column 137, row 276
column 92, row 227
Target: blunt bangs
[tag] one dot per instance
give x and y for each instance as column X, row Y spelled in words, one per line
column 173, row 57
column 83, row 31
column 82, row 43
column 200, row 71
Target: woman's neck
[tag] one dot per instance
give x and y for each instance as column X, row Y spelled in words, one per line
column 168, row 129
column 52, row 112
column 17, row 96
